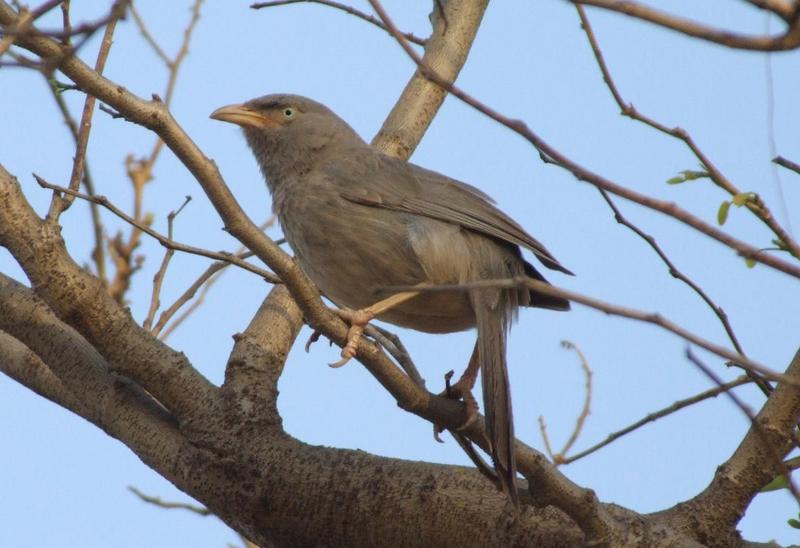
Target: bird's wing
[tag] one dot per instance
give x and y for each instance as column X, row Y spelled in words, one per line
column 386, row 182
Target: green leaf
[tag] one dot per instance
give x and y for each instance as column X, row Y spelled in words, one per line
column 742, row 198
column 750, row 264
column 686, row 175
column 722, row 214
column 794, row 523
column 779, row 482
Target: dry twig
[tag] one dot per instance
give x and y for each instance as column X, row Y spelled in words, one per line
column 343, row 7
column 608, row 308
column 551, row 155
column 158, row 279
column 661, row 413
column 163, row 240
column 561, row 456
column 754, row 203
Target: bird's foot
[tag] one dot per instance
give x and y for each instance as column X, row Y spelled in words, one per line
column 461, row 390
column 358, row 320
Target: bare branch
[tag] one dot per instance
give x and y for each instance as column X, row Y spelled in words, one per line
column 339, row 6
column 608, row 308
column 661, row 413
column 157, row 501
column 551, row 155
column 162, row 270
column 79, row 298
column 586, row 403
column 51, row 358
column 790, row 39
column 163, row 240
column 98, row 252
column 754, row 202
column 206, row 280
column 455, row 25
column 677, row 274
column 788, row 164
column 60, row 204
column 145, row 32
column 754, row 425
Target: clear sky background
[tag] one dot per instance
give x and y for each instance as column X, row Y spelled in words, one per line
column 64, row 482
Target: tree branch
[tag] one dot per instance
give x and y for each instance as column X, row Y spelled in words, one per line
column 80, row 300
column 722, row 504
column 790, row 39
column 339, row 6
column 551, row 155
column 447, row 50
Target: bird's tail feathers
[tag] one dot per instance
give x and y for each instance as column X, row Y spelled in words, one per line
column 493, row 317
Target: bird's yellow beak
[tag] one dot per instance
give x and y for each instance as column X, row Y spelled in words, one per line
column 243, row 116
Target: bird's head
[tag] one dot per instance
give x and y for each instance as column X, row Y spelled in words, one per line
column 287, row 131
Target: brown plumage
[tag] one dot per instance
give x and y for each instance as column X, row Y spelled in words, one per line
column 359, row 220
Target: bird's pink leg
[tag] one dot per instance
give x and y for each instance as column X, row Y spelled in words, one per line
column 358, row 320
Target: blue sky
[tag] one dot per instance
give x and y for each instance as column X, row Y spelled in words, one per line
column 65, row 481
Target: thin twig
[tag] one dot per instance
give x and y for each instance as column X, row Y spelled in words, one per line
column 66, row 24
column 754, row 203
column 60, row 204
column 348, row 9
column 98, row 252
column 140, row 171
column 744, row 408
column 560, row 457
column 86, row 30
column 677, row 274
column 158, row 279
column 788, row 164
column 163, row 240
column 174, row 66
column 205, row 281
column 587, row 402
column 551, row 155
column 661, row 413
column 609, row 308
column 170, row 505
column 145, row 32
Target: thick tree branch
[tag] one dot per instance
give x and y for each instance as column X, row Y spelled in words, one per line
column 79, row 299
column 446, row 50
column 258, row 357
column 550, row 485
column 722, row 504
column 51, row 358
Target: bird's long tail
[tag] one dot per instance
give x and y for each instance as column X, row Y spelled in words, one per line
column 492, row 314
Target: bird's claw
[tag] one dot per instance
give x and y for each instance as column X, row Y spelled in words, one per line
column 462, row 390
column 358, row 320
column 312, row 339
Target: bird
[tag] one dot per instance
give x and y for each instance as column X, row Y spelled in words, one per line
column 359, row 220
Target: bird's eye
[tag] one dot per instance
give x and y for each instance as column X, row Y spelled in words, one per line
column 288, row 113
